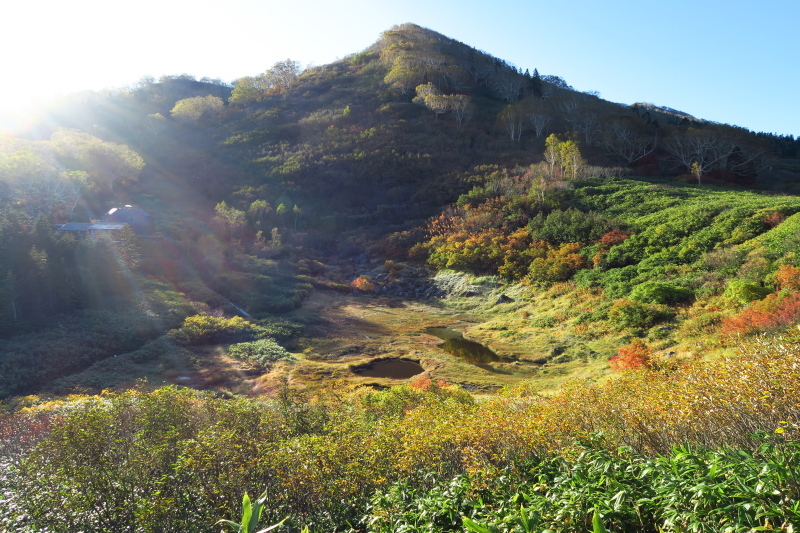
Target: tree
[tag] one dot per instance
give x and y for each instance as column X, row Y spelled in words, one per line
column 105, row 162
column 628, row 139
column 258, row 210
column 508, row 83
column 283, row 75
column 193, row 109
column 281, row 211
column 702, row 150
column 572, row 161
column 113, row 163
column 563, row 157
column 586, row 123
column 229, row 217
column 155, row 123
column 461, row 106
column 513, row 119
column 245, row 91
column 296, row 209
column 539, row 115
column 34, row 182
column 430, row 96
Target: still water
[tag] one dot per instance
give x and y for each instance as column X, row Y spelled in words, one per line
column 390, row 368
column 470, row 351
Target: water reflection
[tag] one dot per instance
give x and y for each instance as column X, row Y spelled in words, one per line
column 470, row 351
column 390, row 368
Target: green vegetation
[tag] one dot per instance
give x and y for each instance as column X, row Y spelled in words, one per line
column 689, row 448
column 613, row 265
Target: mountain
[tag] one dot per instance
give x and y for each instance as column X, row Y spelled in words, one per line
column 419, row 149
column 587, row 296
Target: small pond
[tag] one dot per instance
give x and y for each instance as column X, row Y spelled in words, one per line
column 470, row 351
column 390, row 368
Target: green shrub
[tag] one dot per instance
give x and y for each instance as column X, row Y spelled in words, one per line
column 637, row 315
column 208, row 329
column 743, row 292
column 657, row 292
column 262, row 351
column 571, row 225
column 543, row 322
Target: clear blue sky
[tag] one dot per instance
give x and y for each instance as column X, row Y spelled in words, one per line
column 733, row 62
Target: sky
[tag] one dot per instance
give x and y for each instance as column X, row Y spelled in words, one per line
column 733, row 61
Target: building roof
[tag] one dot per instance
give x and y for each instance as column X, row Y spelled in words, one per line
column 75, row 226
column 86, row 226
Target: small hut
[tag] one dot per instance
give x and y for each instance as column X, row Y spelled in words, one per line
column 139, row 220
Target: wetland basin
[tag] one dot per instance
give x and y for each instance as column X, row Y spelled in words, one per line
column 393, row 368
column 455, row 344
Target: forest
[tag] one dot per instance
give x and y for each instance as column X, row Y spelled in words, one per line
column 631, row 271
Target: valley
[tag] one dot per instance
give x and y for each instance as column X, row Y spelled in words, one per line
column 415, row 289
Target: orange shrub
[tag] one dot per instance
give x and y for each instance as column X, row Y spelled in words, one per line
column 776, row 311
column 634, row 356
column 774, row 219
column 788, row 278
column 362, row 283
column 608, row 240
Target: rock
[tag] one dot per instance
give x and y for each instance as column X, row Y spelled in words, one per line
column 503, row 299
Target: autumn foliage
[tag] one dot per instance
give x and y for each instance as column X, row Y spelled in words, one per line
column 362, row 283
column 788, row 278
column 323, row 457
column 633, row 356
column 776, row 311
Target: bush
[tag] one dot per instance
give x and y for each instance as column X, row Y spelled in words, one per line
column 363, row 284
column 743, row 292
column 788, row 278
column 560, row 264
column 657, row 292
column 208, row 329
column 543, row 322
column 633, row 356
column 262, row 352
column 775, row 312
column 571, row 225
column 637, row 315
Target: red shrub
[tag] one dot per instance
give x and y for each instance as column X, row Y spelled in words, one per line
column 631, row 357
column 774, row 219
column 776, row 311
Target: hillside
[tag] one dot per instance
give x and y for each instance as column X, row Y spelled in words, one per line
column 417, row 288
column 294, row 181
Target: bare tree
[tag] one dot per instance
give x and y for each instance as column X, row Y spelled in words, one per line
column 569, row 107
column 539, row 114
column 508, row 83
column 587, row 124
column 513, row 119
column 461, row 106
column 627, row 140
column 702, row 150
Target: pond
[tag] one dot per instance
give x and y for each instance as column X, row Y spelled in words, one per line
column 471, row 351
column 390, row 368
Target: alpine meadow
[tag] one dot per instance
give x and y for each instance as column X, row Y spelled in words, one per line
column 417, row 289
